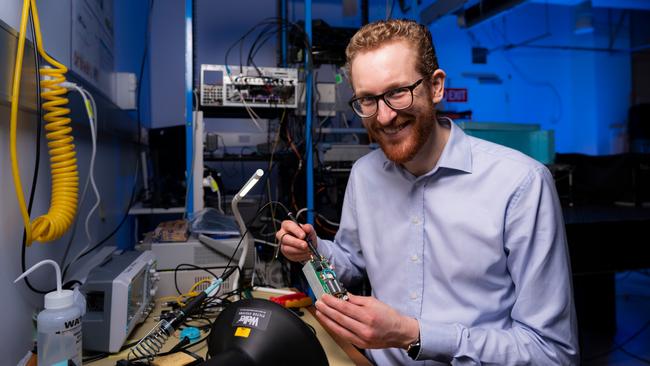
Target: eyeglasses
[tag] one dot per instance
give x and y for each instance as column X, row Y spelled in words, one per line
column 397, row 99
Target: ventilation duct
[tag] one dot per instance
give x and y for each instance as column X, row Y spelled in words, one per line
column 484, row 10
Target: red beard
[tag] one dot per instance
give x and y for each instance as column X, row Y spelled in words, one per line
column 405, row 149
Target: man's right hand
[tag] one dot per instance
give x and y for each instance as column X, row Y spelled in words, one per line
column 291, row 237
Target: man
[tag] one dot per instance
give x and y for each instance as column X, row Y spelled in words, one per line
column 462, row 240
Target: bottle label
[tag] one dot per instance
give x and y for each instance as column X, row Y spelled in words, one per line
column 61, row 346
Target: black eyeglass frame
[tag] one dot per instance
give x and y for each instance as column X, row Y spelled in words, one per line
column 383, row 96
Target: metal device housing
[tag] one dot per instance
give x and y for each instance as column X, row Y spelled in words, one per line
column 119, row 294
column 322, row 279
column 245, row 86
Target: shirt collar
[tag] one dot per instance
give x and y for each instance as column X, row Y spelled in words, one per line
column 457, row 153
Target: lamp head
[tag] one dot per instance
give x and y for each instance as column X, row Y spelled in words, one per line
column 251, row 183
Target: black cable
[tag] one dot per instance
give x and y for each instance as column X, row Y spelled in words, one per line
column 117, row 228
column 39, row 124
column 128, row 345
column 190, row 266
column 145, row 53
column 273, row 21
column 182, row 343
column 257, row 214
column 264, row 31
column 234, row 252
column 228, row 266
column 292, row 29
column 224, row 297
column 266, row 178
column 268, row 32
column 241, row 39
column 73, row 229
column 274, row 28
column 99, row 356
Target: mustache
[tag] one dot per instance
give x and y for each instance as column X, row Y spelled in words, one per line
column 396, row 122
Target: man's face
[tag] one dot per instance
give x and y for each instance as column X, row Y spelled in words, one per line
column 401, row 134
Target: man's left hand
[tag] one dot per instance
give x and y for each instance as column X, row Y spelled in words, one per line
column 367, row 322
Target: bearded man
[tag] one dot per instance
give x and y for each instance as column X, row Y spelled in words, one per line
column 462, row 240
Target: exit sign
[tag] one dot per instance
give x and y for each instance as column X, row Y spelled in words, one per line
column 456, row 94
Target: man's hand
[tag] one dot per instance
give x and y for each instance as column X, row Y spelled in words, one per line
column 291, row 238
column 367, row 322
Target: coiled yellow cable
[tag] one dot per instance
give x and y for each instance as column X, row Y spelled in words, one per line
column 63, row 162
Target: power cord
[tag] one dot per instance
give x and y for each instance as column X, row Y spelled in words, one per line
column 91, row 111
column 39, row 126
column 117, row 228
column 132, row 199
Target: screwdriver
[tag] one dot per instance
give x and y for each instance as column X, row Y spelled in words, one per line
column 309, row 243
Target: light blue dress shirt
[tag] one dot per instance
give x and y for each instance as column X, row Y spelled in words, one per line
column 475, row 250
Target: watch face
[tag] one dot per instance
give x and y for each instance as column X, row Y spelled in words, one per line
column 414, row 349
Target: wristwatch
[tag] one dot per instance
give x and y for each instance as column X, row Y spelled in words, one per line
column 414, row 349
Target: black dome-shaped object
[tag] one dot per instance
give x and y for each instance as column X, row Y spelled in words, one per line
column 254, row 332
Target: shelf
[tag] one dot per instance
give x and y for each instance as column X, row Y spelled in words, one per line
column 138, row 209
column 240, row 112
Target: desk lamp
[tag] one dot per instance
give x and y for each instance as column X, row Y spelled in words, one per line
column 247, row 240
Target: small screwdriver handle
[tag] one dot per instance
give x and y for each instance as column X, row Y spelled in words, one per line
column 309, row 243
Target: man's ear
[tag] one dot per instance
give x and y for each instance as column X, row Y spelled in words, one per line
column 438, row 85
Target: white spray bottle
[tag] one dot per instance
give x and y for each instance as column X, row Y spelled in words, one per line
column 59, row 325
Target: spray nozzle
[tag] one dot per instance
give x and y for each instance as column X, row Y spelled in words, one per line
column 53, row 300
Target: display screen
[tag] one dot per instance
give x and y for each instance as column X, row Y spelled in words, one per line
column 136, row 295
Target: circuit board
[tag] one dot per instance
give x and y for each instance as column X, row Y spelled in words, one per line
column 322, row 279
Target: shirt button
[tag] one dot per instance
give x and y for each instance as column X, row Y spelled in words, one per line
column 414, row 258
column 415, row 220
column 414, row 296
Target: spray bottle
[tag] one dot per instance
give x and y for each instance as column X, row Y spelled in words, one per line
column 59, row 325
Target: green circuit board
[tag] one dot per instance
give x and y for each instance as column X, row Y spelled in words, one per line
column 322, row 279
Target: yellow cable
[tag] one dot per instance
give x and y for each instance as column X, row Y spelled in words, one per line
column 63, row 162
column 192, row 292
column 186, row 296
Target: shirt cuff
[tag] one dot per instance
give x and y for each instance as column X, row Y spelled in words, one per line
column 438, row 341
